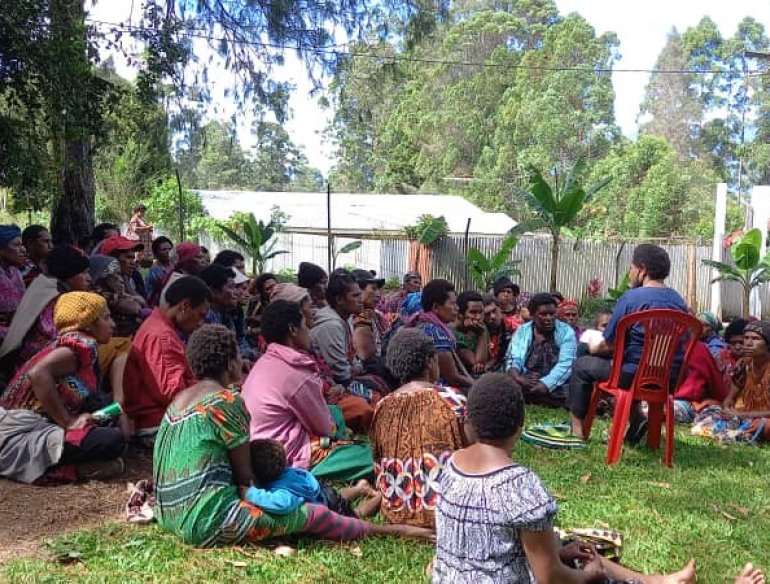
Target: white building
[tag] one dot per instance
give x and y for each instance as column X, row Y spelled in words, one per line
column 357, row 213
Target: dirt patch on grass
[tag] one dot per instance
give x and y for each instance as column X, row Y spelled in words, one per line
column 31, row 514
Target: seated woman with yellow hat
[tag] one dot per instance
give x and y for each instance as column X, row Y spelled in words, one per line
column 47, row 430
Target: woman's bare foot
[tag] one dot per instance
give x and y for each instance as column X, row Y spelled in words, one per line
column 750, row 575
column 361, row 489
column 370, row 506
column 684, row 576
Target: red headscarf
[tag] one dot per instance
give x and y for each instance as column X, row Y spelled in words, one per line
column 565, row 304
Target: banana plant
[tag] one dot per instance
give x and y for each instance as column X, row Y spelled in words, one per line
column 256, row 239
column 347, row 248
column 750, row 270
column 555, row 207
column 485, row 271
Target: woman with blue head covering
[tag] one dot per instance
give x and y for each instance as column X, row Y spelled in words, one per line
column 12, row 256
column 712, row 326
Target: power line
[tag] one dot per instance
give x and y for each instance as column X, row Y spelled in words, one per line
column 333, row 50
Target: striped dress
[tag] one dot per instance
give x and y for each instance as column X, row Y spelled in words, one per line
column 196, row 495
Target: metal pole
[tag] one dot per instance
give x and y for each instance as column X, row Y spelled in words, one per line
column 329, row 239
column 181, row 206
column 466, row 275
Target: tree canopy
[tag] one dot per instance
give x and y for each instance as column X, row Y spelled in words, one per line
column 426, row 96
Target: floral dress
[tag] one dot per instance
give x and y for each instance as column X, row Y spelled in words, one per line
column 413, row 435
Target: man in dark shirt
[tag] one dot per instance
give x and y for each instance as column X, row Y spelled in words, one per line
column 650, row 266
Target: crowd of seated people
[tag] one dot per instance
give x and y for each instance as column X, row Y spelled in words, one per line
column 212, row 370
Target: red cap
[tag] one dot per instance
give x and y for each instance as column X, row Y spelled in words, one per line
column 187, row 251
column 118, row 243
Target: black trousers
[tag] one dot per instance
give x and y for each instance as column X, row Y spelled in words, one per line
column 99, row 444
column 586, row 371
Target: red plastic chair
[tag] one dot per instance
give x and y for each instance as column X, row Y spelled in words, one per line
column 665, row 331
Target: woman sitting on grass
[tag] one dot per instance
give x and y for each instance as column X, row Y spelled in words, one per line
column 284, row 396
column 439, row 305
column 415, row 430
column 727, row 359
column 495, row 518
column 202, row 457
column 48, row 430
column 712, row 326
column 745, row 414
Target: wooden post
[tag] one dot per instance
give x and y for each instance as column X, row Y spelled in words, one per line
column 692, row 276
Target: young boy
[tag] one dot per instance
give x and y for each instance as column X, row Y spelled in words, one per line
column 495, row 518
column 493, row 321
column 470, row 333
column 280, row 490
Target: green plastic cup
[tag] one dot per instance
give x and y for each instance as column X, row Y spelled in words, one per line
column 111, row 411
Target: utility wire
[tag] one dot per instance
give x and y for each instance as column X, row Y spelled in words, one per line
column 334, row 50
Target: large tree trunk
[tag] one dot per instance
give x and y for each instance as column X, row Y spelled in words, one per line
column 72, row 214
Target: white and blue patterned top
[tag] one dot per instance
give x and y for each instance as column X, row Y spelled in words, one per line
column 479, row 519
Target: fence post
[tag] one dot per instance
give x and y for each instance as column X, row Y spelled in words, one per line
column 692, row 276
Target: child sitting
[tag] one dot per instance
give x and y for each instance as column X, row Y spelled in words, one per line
column 281, row 490
column 495, row 518
column 590, row 339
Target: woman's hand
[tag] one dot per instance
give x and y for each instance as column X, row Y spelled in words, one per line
column 82, row 421
column 479, row 368
column 728, row 404
column 576, row 551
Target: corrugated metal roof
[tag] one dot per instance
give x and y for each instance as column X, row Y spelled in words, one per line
column 358, row 212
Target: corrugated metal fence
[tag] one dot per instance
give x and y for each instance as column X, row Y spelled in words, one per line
column 579, row 262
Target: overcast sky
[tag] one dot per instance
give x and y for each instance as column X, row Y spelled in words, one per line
column 641, row 27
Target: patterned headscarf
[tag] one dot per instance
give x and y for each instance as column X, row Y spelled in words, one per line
column 76, row 311
column 761, row 327
column 103, row 266
column 710, row 319
column 564, row 305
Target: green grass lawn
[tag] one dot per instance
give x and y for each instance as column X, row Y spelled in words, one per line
column 713, row 505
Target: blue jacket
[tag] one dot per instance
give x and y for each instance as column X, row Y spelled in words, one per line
column 516, row 357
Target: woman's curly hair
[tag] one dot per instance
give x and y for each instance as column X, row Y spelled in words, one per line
column 210, row 351
column 409, row 352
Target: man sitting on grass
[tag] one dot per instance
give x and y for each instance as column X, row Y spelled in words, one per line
column 541, row 353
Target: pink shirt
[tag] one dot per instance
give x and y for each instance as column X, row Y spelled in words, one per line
column 284, row 396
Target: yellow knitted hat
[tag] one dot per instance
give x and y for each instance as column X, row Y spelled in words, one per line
column 76, row 311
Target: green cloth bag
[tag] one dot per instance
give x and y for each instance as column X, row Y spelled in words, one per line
column 347, row 463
